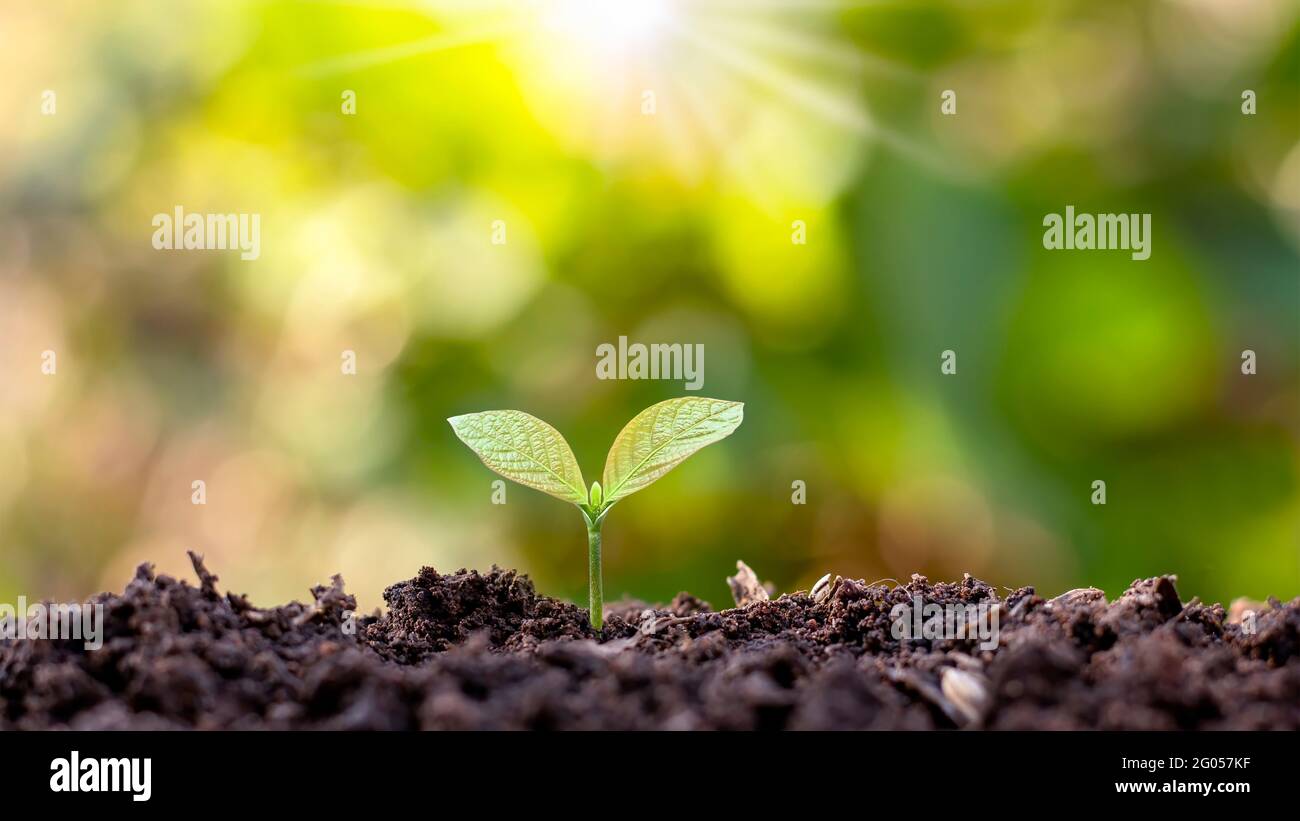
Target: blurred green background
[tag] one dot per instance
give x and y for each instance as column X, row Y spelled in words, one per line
column 664, row 218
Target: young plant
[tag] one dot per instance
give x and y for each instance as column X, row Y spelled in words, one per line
column 525, row 449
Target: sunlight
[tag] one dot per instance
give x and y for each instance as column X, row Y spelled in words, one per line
column 685, row 84
column 608, row 28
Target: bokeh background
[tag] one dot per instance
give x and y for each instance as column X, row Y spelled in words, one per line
column 672, row 225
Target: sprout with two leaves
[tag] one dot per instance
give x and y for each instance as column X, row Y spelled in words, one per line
column 526, row 450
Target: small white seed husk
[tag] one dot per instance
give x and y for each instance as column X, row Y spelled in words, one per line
column 967, row 691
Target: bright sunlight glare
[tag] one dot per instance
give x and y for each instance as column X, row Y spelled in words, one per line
column 611, row 27
column 745, row 92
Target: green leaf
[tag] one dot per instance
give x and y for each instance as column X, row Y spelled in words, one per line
column 524, row 449
column 661, row 436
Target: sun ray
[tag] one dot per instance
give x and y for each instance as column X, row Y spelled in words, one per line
column 677, row 132
column 794, row 5
column 813, row 47
column 926, row 157
column 715, row 132
column 430, row 7
column 444, row 41
column 808, row 95
column 612, row 119
column 815, row 99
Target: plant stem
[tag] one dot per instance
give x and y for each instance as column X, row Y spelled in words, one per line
column 595, row 588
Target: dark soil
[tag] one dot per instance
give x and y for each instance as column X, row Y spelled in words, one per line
column 478, row 651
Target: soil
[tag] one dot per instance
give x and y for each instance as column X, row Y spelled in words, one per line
column 471, row 650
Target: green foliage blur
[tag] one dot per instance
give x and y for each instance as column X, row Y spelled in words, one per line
column 663, row 218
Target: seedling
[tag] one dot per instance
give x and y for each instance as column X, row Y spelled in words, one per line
column 526, row 450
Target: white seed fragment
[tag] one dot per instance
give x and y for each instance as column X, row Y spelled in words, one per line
column 825, row 588
column 968, row 692
column 1240, row 607
column 746, row 589
column 817, row 588
column 1079, row 595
